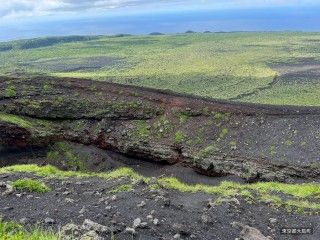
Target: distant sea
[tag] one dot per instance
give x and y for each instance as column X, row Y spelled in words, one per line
column 280, row 19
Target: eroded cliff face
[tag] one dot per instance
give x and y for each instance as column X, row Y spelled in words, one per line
column 255, row 142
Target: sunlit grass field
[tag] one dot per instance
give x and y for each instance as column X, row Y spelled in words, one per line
column 270, row 68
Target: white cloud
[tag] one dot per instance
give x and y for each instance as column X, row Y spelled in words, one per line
column 22, row 8
column 17, row 8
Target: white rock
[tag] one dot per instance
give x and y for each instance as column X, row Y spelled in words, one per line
column 49, row 221
column 273, row 220
column 130, row 230
column 142, row 204
column 90, row 225
column 136, row 222
column 156, row 221
column 83, row 210
column 177, row 236
column 91, row 235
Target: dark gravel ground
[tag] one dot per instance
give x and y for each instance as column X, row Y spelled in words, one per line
column 187, row 214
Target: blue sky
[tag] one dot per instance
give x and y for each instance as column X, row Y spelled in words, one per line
column 36, row 18
column 15, row 9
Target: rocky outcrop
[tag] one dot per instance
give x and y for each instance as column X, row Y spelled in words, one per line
column 255, row 142
column 249, row 233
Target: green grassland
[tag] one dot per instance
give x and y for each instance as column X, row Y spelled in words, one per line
column 271, row 68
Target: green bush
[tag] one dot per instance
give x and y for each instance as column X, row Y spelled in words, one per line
column 30, row 185
column 179, row 137
column 10, row 91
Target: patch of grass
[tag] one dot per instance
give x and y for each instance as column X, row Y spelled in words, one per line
column 9, row 118
column 220, row 116
column 224, row 132
column 142, row 130
column 288, row 143
column 13, row 231
column 30, row 185
column 163, row 127
column 53, row 172
column 291, row 196
column 179, row 137
column 10, row 91
column 273, row 150
column 122, row 188
column 233, row 144
column 183, row 118
column 46, row 87
column 207, row 151
column 301, row 193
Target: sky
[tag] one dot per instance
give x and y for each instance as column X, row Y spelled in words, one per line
column 35, row 18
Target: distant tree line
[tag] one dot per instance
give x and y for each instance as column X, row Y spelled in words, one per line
column 42, row 42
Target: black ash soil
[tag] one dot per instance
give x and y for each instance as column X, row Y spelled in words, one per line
column 74, row 200
column 167, row 213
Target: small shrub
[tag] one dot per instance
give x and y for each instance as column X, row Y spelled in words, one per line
column 233, row 144
column 10, row 91
column 206, row 152
column 273, row 150
column 46, row 87
column 183, row 118
column 223, row 133
column 219, row 116
column 288, row 143
column 179, row 137
column 30, row 185
column 143, row 130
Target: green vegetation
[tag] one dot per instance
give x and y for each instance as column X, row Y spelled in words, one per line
column 46, row 87
column 9, row 118
column 220, row 116
column 207, row 151
column 13, row 231
column 10, row 91
column 142, row 130
column 30, row 185
column 53, row 172
column 288, row 143
column 183, row 118
column 224, row 132
column 122, row 188
column 302, row 195
column 233, row 144
column 273, row 150
column 179, row 137
column 240, row 66
column 163, row 127
column 292, row 196
column 64, row 154
column 40, row 126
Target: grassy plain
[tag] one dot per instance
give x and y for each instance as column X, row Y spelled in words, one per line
column 271, row 68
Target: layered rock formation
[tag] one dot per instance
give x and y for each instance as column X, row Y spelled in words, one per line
column 255, row 142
